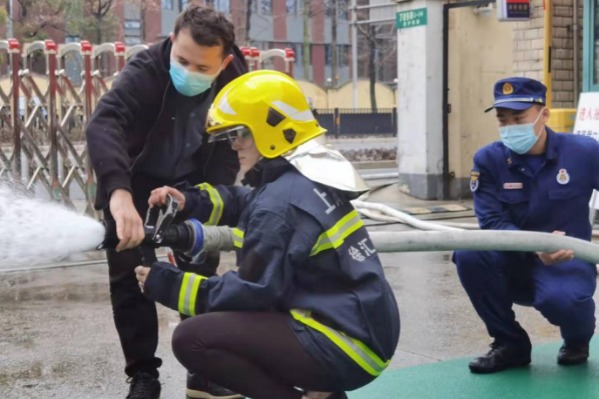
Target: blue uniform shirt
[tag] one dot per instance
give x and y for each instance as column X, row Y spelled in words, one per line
column 510, row 195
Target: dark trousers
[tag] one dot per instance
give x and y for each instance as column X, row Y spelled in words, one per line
column 134, row 314
column 254, row 353
column 563, row 293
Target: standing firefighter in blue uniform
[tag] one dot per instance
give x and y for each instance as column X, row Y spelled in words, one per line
column 309, row 308
column 536, row 180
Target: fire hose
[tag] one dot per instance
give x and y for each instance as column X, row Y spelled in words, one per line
column 193, row 238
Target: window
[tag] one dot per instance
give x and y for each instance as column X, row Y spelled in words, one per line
column 132, row 40
column 132, row 24
column 343, row 54
column 342, row 9
column 266, row 7
column 291, row 7
column 222, row 6
column 591, row 46
column 328, row 8
column 167, row 4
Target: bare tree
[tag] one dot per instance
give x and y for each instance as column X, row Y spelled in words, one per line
column 334, row 15
column 332, row 9
column 93, row 20
column 376, row 46
column 248, row 19
column 146, row 7
column 372, row 66
column 4, row 12
column 32, row 17
column 306, row 19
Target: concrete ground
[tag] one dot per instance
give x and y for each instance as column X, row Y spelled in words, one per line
column 57, row 337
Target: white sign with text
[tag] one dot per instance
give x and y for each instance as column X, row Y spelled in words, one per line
column 587, row 124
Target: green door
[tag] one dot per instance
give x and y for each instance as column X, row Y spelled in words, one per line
column 591, row 46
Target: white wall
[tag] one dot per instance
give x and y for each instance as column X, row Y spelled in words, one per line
column 419, row 89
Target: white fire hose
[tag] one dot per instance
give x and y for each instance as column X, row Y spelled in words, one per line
column 445, row 238
column 484, row 240
column 220, row 238
column 391, row 214
column 452, row 236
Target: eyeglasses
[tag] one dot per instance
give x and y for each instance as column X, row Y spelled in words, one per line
column 231, row 135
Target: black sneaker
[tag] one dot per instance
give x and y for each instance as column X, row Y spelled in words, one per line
column 201, row 388
column 570, row 355
column 143, row 386
column 500, row 357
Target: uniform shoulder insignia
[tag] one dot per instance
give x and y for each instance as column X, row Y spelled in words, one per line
column 474, row 179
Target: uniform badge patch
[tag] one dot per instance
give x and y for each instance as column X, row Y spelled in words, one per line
column 507, row 89
column 563, row 177
column 512, row 186
column 474, row 175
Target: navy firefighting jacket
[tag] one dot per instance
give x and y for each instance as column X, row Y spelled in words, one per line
column 303, row 250
column 509, row 194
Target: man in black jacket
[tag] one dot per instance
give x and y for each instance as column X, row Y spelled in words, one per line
column 146, row 132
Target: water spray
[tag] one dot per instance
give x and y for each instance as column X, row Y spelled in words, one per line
column 34, row 231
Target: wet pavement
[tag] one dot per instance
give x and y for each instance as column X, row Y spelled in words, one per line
column 57, row 337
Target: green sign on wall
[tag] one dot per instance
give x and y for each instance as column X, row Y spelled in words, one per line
column 411, row 18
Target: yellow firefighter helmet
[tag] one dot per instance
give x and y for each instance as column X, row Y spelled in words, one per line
column 268, row 104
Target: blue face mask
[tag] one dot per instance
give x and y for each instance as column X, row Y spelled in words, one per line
column 519, row 138
column 190, row 83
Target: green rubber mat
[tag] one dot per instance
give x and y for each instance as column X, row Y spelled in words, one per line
column 451, row 379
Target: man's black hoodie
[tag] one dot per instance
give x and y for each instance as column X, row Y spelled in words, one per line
column 134, row 117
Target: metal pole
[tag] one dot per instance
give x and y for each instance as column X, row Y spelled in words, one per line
column 51, row 50
column 445, row 96
column 14, row 49
column 547, row 49
column 354, row 52
column 9, row 24
column 334, row 44
column 576, row 31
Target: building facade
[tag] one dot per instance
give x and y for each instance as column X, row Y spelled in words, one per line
column 280, row 24
column 448, row 60
column 318, row 31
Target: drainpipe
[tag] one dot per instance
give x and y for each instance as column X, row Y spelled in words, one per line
column 576, row 33
column 548, row 34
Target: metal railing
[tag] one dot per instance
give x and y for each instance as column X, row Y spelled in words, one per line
column 359, row 121
column 43, row 117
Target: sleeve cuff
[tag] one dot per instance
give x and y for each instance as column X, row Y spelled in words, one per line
column 115, row 182
column 163, row 284
column 174, row 288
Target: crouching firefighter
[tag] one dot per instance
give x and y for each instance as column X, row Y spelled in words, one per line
column 309, row 313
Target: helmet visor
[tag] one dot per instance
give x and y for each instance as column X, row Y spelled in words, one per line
column 230, row 134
